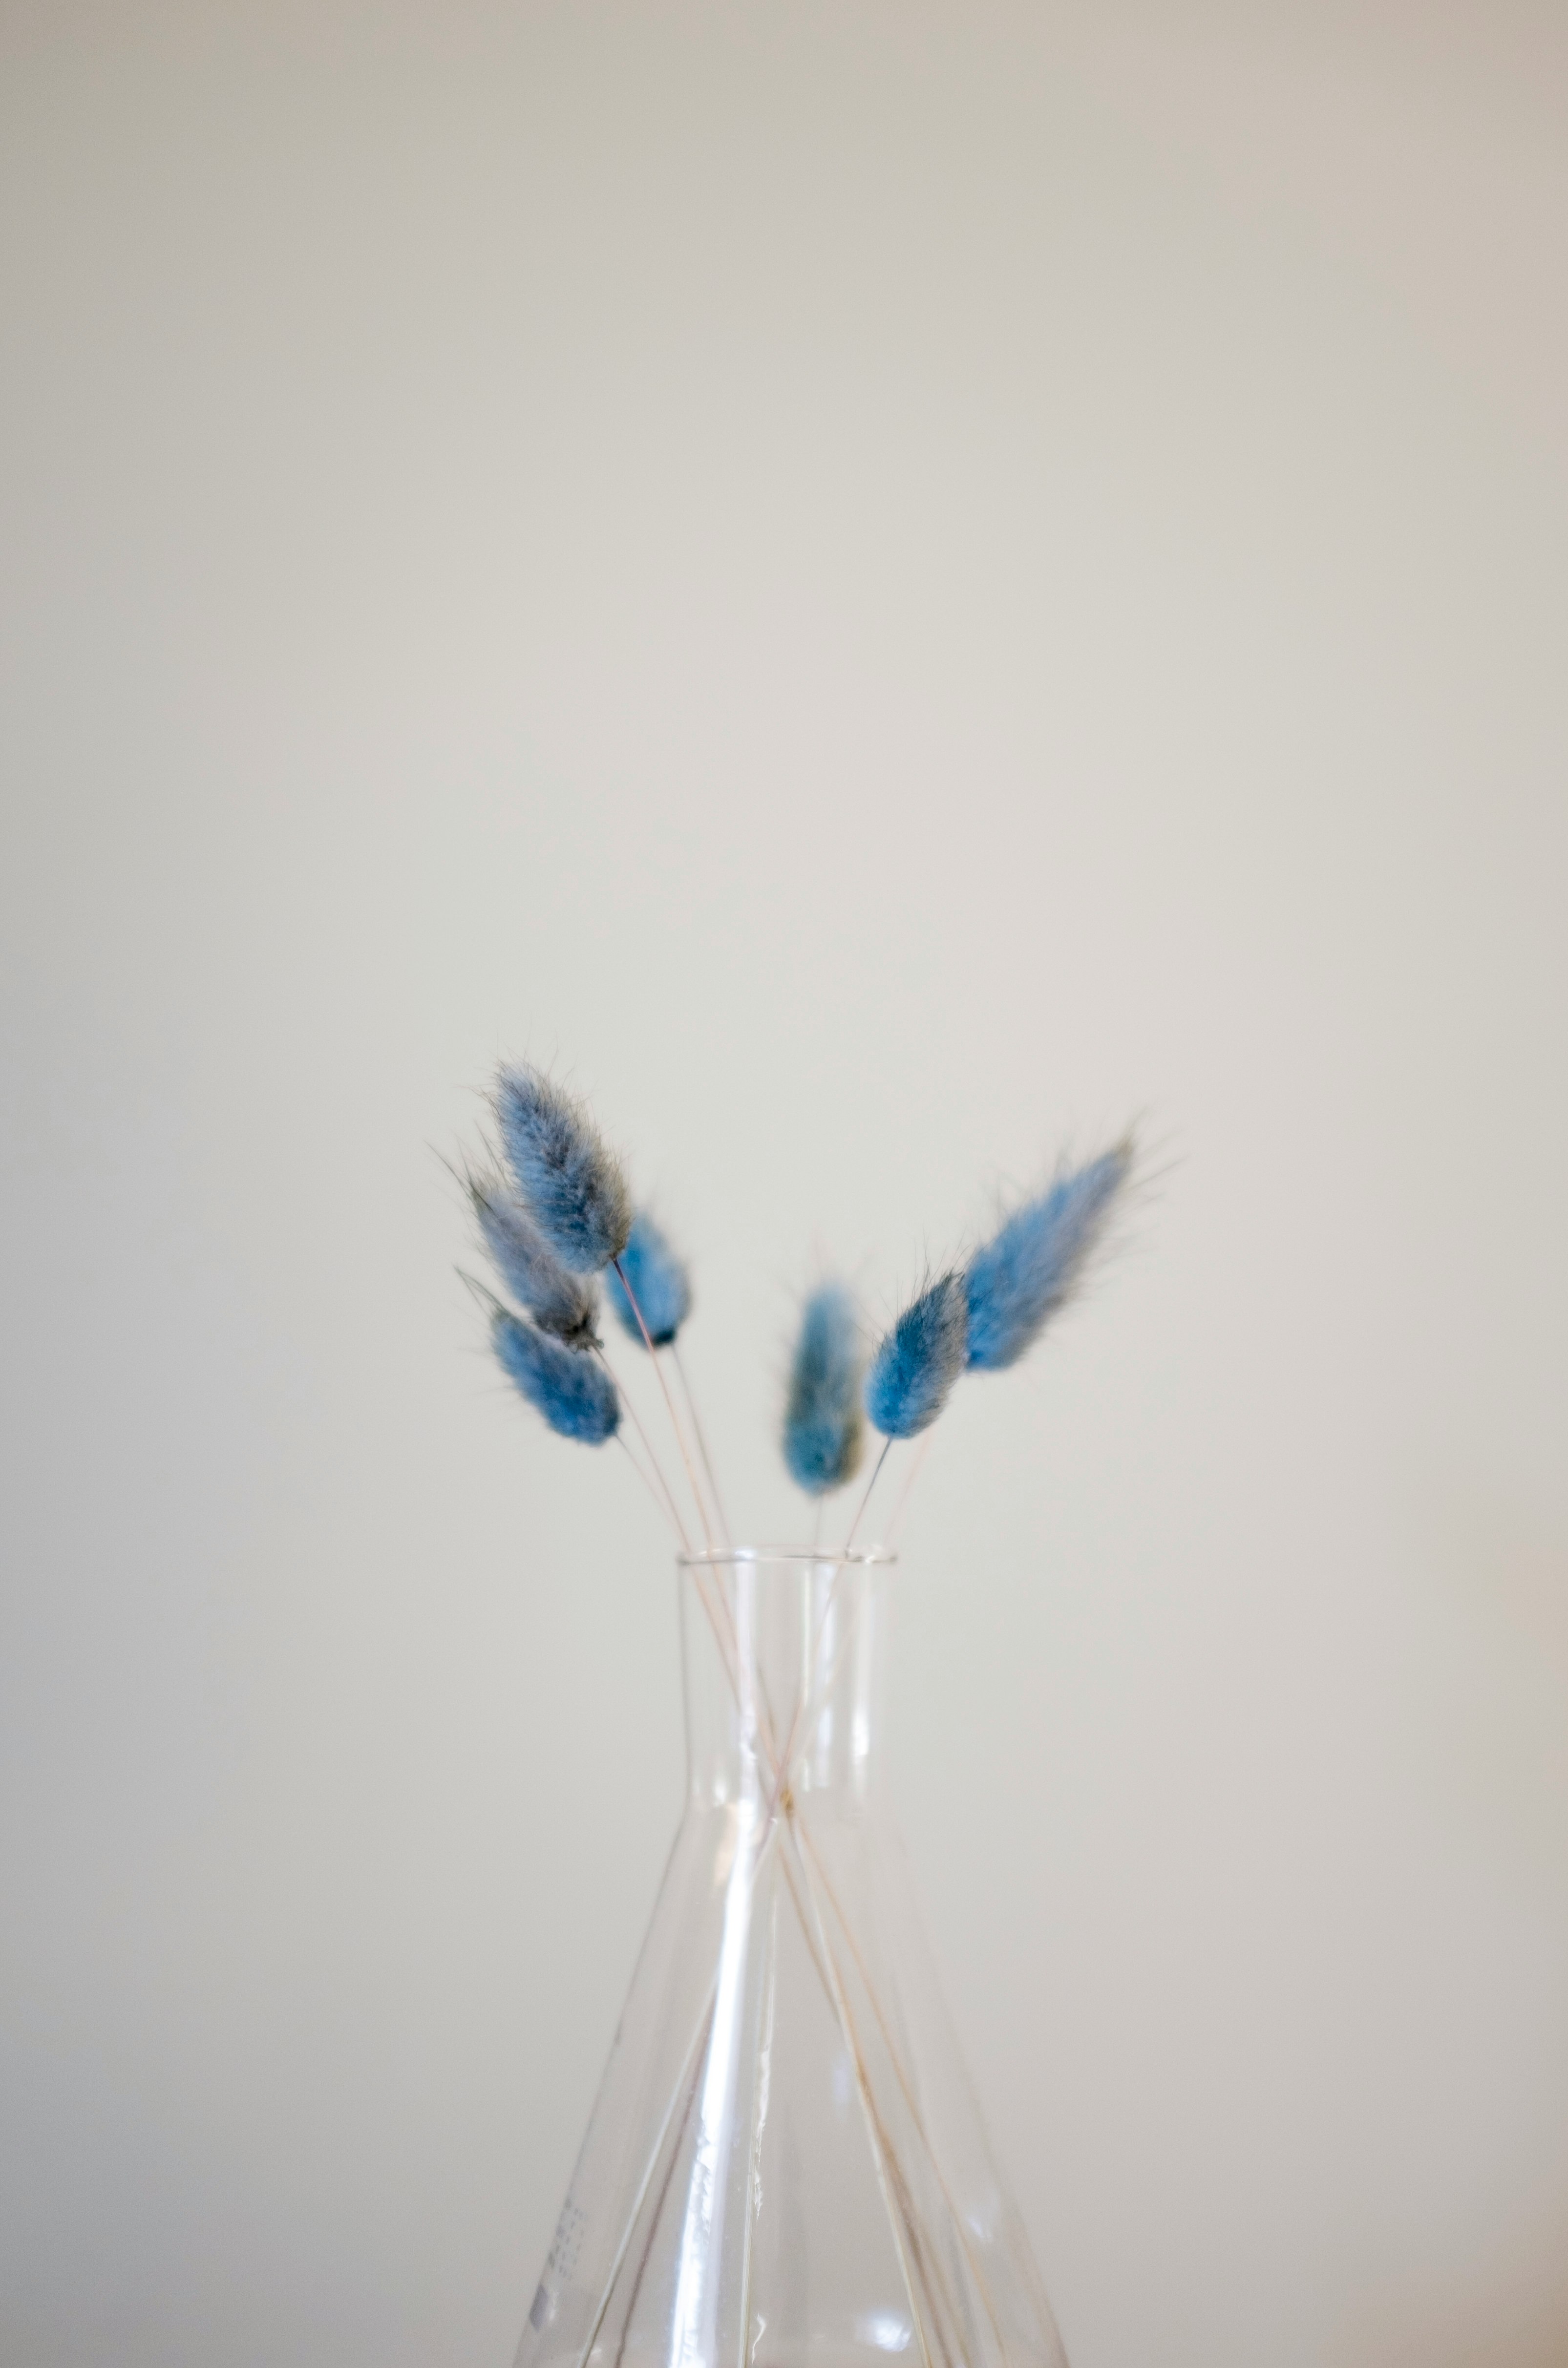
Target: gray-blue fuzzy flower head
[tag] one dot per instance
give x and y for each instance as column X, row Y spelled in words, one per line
column 570, row 1180
column 560, row 1302
column 1030, row 1268
column 918, row 1360
column 574, row 1393
column 824, row 1431
column 660, row 1284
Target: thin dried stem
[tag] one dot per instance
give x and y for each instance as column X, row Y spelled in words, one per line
column 803, row 1843
column 701, row 2058
column 625, row 1446
column 694, row 2056
column 902, row 2079
column 754, row 2149
column 795, row 1828
column 658, row 1468
column 876, row 1475
column 669, row 1402
column 876, row 2130
column 701, row 1442
column 904, row 1493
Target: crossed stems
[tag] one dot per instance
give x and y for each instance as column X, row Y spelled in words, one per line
column 918, row 2264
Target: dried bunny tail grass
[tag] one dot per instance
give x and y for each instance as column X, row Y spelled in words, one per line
column 575, row 1394
column 1034, row 1264
column 571, row 1182
column 825, row 1431
column 918, row 1359
column 655, row 1278
column 561, row 1304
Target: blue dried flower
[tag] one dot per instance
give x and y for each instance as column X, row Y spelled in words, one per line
column 917, row 1363
column 561, row 1303
column 823, row 1428
column 1018, row 1282
column 569, row 1178
column 574, row 1393
column 659, row 1283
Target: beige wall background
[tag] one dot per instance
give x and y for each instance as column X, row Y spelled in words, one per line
column 888, row 585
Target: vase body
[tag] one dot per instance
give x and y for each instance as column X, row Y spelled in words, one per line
column 785, row 2167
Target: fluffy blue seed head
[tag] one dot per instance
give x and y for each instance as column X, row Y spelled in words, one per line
column 824, row 1428
column 560, row 1302
column 917, row 1363
column 659, row 1282
column 1016, row 1284
column 574, row 1392
column 570, row 1180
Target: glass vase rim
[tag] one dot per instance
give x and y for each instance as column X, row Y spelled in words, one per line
column 805, row 1557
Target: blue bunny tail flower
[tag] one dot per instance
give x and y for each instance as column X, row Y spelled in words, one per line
column 574, row 1393
column 917, row 1363
column 659, row 1282
column 824, row 1432
column 1032, row 1267
column 570, row 1180
column 559, row 1304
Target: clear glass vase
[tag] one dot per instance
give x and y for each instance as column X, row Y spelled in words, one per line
column 786, row 2163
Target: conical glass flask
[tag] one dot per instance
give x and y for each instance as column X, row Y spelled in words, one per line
column 785, row 2167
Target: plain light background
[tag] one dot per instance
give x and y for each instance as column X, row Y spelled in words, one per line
column 887, row 587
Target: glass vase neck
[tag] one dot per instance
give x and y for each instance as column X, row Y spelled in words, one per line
column 783, row 1653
